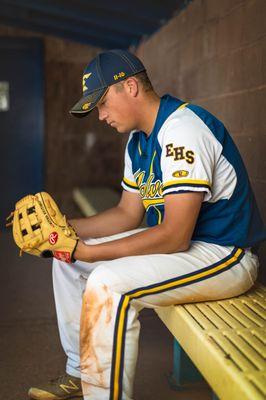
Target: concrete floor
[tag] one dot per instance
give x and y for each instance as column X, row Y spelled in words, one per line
column 30, row 345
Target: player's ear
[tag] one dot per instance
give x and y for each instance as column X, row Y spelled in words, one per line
column 132, row 86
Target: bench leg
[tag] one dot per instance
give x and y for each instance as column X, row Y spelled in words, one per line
column 184, row 371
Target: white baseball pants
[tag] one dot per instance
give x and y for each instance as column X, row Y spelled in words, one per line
column 98, row 304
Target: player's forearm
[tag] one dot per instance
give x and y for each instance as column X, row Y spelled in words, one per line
column 106, row 223
column 158, row 239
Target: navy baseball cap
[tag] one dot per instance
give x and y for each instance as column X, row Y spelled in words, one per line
column 103, row 71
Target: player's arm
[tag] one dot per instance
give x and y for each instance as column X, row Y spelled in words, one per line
column 127, row 215
column 173, row 235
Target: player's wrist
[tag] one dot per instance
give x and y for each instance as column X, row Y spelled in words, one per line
column 82, row 252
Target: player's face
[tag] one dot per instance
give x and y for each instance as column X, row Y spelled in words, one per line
column 116, row 109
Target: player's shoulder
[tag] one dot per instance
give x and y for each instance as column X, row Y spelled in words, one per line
column 183, row 123
column 191, row 122
column 189, row 114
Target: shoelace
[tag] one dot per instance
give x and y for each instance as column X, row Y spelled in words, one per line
column 59, row 379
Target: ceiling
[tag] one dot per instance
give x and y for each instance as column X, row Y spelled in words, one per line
column 101, row 23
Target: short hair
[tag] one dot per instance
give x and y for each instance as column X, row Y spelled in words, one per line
column 144, row 80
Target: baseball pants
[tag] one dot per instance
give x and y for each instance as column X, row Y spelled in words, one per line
column 98, row 304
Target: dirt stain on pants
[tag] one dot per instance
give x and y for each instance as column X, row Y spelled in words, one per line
column 96, row 315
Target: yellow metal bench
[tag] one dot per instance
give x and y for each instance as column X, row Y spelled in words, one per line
column 94, row 200
column 226, row 340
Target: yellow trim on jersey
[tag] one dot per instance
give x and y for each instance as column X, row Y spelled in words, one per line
column 182, row 106
column 139, row 149
column 150, row 202
column 130, row 183
column 152, row 160
column 184, row 181
column 159, row 215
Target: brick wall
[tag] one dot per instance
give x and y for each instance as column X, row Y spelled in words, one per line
column 84, row 151
column 213, row 54
column 78, row 152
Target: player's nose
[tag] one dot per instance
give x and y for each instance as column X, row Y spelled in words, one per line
column 102, row 115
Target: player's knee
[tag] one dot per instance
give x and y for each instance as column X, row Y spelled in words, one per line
column 99, row 277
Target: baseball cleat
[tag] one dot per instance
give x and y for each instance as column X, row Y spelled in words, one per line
column 63, row 387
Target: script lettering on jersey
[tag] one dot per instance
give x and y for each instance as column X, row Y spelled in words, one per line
column 149, row 189
column 180, row 153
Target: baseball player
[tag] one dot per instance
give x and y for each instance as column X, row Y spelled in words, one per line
column 183, row 170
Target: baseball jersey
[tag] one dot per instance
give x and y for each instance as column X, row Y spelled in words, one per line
column 190, row 150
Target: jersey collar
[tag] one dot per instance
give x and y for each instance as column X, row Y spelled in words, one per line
column 168, row 104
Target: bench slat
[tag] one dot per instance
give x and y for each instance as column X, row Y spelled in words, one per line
column 232, row 352
column 195, row 313
column 257, row 344
column 228, row 335
column 94, row 200
column 259, row 293
column 249, row 352
column 242, row 307
column 261, row 290
column 257, row 299
column 212, row 316
column 260, row 333
column 259, row 380
column 224, row 376
column 219, row 310
column 255, row 307
column 237, row 314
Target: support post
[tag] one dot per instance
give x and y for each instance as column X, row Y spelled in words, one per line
column 184, row 371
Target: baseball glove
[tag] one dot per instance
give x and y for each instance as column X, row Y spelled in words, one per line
column 40, row 229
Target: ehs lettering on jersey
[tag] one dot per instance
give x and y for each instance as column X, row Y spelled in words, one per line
column 180, row 153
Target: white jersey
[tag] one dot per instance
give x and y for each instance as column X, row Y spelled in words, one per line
column 190, row 150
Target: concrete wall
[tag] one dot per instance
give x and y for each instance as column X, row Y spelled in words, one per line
column 214, row 54
column 78, row 152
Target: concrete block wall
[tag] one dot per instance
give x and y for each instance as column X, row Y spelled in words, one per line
column 78, row 152
column 84, row 151
column 213, row 53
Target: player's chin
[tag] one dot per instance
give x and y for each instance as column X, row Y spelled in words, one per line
column 121, row 129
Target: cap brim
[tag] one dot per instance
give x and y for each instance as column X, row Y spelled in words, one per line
column 87, row 103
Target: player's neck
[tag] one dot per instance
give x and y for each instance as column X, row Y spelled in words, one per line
column 148, row 114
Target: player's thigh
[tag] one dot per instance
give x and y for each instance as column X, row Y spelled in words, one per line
column 79, row 271
column 83, row 267
column 204, row 272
